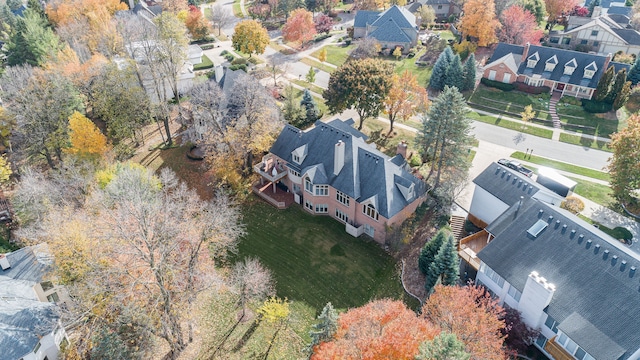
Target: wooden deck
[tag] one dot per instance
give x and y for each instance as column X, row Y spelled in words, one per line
column 280, row 198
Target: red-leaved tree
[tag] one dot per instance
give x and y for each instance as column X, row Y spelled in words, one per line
column 580, row 11
column 519, row 27
column 300, row 27
column 472, row 315
column 382, row 329
column 324, row 24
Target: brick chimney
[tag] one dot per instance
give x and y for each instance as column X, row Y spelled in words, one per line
column 607, row 60
column 402, row 149
column 525, row 52
column 338, row 157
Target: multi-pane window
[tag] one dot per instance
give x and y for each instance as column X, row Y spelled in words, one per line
column 551, row 324
column 53, row 297
column 294, row 172
column 369, row 230
column 308, row 186
column 492, row 274
column 308, row 204
column 322, row 190
column 322, row 208
column 342, row 198
column 370, row 211
column 514, row 293
column 296, row 159
column 342, row 216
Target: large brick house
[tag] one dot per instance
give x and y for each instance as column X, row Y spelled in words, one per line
column 572, row 73
column 331, row 170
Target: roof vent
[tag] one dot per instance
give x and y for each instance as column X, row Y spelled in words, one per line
column 605, row 254
column 564, row 228
column 508, row 177
column 530, row 189
column 503, row 173
column 614, row 259
column 497, row 170
column 550, row 219
column 588, row 243
column 557, row 223
column 580, row 238
column 515, row 179
column 573, row 233
column 540, row 212
column 632, row 271
column 537, row 228
column 623, row 264
column 596, row 248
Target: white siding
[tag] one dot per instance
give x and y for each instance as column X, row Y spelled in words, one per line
column 485, row 206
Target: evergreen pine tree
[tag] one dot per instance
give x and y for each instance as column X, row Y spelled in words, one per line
column 36, row 5
column 604, row 84
column 634, row 72
column 469, row 73
column 444, row 346
column 623, row 96
column 325, row 329
column 439, row 72
column 592, row 6
column 618, row 83
column 32, row 41
column 312, row 113
column 453, row 76
column 430, row 250
column 291, row 110
column 444, row 267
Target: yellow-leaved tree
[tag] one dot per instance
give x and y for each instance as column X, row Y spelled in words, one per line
column 86, row 139
column 480, row 21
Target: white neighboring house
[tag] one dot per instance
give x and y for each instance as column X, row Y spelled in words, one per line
column 185, row 75
column 573, row 282
column 30, row 327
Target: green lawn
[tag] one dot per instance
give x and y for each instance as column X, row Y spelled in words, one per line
column 592, row 124
column 336, row 54
column 598, row 193
column 313, row 88
column 237, row 10
column 532, row 130
column 318, row 65
column 319, row 101
column 585, row 141
column 511, row 101
column 558, row 165
column 446, row 34
column 314, row 260
column 205, row 64
column 423, row 73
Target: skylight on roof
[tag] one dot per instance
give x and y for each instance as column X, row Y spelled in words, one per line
column 537, row 228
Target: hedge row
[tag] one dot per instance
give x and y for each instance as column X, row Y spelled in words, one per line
column 595, row 107
column 497, row 84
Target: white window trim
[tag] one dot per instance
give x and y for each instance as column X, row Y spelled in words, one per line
column 321, row 209
column 342, row 198
column 317, row 189
column 372, row 213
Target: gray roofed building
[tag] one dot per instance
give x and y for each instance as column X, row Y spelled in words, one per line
column 570, row 72
column 585, row 282
column 394, row 27
column 333, row 167
column 29, row 323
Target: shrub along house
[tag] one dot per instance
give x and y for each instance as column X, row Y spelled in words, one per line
column 331, row 170
column 570, row 73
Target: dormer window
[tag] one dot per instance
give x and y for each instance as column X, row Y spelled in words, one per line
column 551, row 63
column 590, row 70
column 370, row 211
column 570, row 67
column 533, row 60
column 298, row 155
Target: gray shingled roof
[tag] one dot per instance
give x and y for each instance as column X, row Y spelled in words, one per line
column 596, row 302
column 564, row 56
column 389, row 31
column 621, row 10
column 506, row 184
column 631, row 36
column 23, row 318
column 367, row 172
column 400, row 15
column 364, row 18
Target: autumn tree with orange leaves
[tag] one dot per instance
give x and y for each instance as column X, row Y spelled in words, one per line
column 381, row 329
column 556, row 8
column 300, row 27
column 406, row 98
column 199, row 28
column 472, row 315
column 480, row 21
column 87, row 142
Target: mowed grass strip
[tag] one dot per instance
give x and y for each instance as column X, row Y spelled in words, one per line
column 314, row 260
column 559, row 165
column 586, row 141
column 336, row 54
column 507, row 124
column 318, row 65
